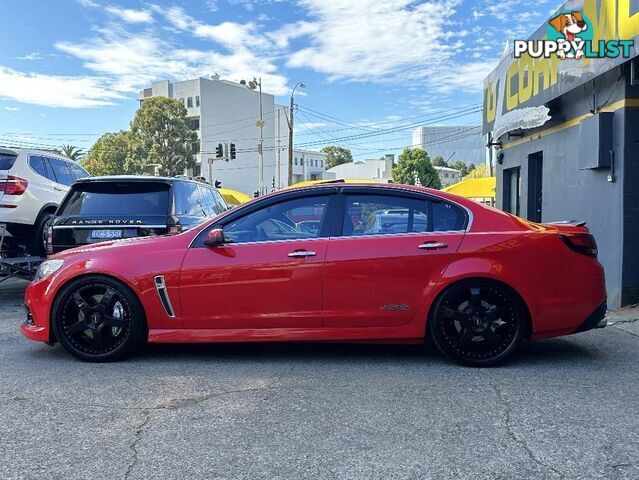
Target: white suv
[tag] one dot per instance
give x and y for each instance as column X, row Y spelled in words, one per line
column 32, row 185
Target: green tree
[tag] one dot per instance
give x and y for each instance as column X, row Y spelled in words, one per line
column 479, row 172
column 461, row 166
column 165, row 134
column 115, row 154
column 414, row 163
column 438, row 161
column 72, row 152
column 336, row 155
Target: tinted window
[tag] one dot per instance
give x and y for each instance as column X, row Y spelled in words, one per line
column 40, row 165
column 384, row 214
column 220, row 204
column 110, row 198
column 292, row 219
column 7, row 161
column 61, row 171
column 447, row 217
column 188, row 200
column 77, row 171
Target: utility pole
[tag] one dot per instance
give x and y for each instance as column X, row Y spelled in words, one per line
column 261, row 147
column 290, row 134
column 279, row 151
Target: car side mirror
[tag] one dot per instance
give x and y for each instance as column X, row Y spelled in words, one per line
column 214, row 238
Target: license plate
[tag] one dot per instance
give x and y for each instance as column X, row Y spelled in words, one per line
column 106, row 234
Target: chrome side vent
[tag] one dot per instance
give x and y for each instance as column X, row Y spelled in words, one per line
column 160, row 286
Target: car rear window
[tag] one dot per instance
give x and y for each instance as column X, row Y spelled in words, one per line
column 115, row 198
column 7, row 160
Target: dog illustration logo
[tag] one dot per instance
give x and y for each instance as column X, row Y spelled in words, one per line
column 570, row 24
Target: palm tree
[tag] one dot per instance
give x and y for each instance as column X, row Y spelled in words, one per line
column 72, row 152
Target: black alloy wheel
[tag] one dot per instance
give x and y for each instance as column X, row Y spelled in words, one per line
column 97, row 319
column 478, row 323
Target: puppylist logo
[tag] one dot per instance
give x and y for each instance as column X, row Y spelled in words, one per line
column 570, row 35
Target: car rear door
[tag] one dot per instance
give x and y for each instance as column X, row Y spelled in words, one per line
column 386, row 256
column 269, row 274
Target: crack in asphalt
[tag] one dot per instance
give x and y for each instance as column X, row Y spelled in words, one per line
column 517, row 438
column 134, row 445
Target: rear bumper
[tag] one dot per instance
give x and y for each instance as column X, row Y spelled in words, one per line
column 596, row 319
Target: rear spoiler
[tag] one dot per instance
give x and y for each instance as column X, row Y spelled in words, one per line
column 574, row 223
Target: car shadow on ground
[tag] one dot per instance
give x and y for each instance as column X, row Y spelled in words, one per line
column 553, row 351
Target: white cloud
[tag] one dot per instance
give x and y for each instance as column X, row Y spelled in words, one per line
column 30, row 56
column 130, row 15
column 10, row 109
column 369, row 40
column 466, row 77
column 55, row 91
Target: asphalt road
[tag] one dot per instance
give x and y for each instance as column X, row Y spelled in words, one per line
column 566, row 408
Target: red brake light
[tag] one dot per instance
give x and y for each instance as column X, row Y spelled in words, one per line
column 13, row 185
column 583, row 243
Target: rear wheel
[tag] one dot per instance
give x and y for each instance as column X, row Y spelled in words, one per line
column 478, row 323
column 38, row 244
column 98, row 319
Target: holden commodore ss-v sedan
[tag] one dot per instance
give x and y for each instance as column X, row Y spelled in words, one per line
column 332, row 262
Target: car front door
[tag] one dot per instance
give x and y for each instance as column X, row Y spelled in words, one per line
column 268, row 273
column 387, row 256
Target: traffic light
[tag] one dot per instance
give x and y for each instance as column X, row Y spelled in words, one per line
column 218, row 184
column 219, row 150
column 232, row 151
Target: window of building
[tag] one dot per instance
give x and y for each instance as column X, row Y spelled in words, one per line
column 195, row 147
column 189, row 102
column 197, row 100
column 181, row 101
column 322, row 163
column 295, row 160
column 194, row 123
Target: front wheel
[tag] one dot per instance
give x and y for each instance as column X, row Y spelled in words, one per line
column 98, row 319
column 478, row 323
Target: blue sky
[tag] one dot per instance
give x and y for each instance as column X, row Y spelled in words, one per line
column 71, row 69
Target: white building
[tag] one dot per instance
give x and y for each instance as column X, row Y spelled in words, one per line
column 227, row 112
column 307, row 165
column 453, row 143
column 448, row 176
column 380, row 170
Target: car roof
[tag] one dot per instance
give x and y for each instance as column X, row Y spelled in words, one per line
column 33, row 151
column 137, row 178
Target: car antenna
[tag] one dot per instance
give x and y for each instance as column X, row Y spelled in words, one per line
column 440, row 169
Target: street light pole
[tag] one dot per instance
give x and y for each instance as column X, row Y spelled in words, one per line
column 261, row 148
column 290, row 133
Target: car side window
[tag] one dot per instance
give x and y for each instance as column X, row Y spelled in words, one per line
column 207, row 201
column 447, row 217
column 39, row 165
column 77, row 171
column 62, row 172
column 384, row 215
column 299, row 218
column 220, row 204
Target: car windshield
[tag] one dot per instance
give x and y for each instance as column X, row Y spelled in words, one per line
column 114, row 198
column 7, row 161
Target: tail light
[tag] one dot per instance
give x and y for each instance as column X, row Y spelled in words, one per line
column 13, row 185
column 49, row 241
column 583, row 243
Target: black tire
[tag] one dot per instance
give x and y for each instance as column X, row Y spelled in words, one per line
column 38, row 243
column 89, row 324
column 478, row 323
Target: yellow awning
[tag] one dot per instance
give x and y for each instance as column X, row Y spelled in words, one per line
column 474, row 188
column 308, row 183
column 233, row 197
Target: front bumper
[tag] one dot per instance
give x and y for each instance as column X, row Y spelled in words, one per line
column 36, row 324
column 596, row 319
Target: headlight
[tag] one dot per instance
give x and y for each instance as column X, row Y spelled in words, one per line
column 48, row 267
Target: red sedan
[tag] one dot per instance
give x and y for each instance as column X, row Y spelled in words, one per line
column 334, row 262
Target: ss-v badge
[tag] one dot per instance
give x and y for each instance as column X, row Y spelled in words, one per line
column 400, row 307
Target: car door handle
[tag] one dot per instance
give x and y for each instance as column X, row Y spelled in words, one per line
column 433, row 245
column 301, row 254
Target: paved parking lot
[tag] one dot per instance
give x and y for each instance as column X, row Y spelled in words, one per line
column 566, row 408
